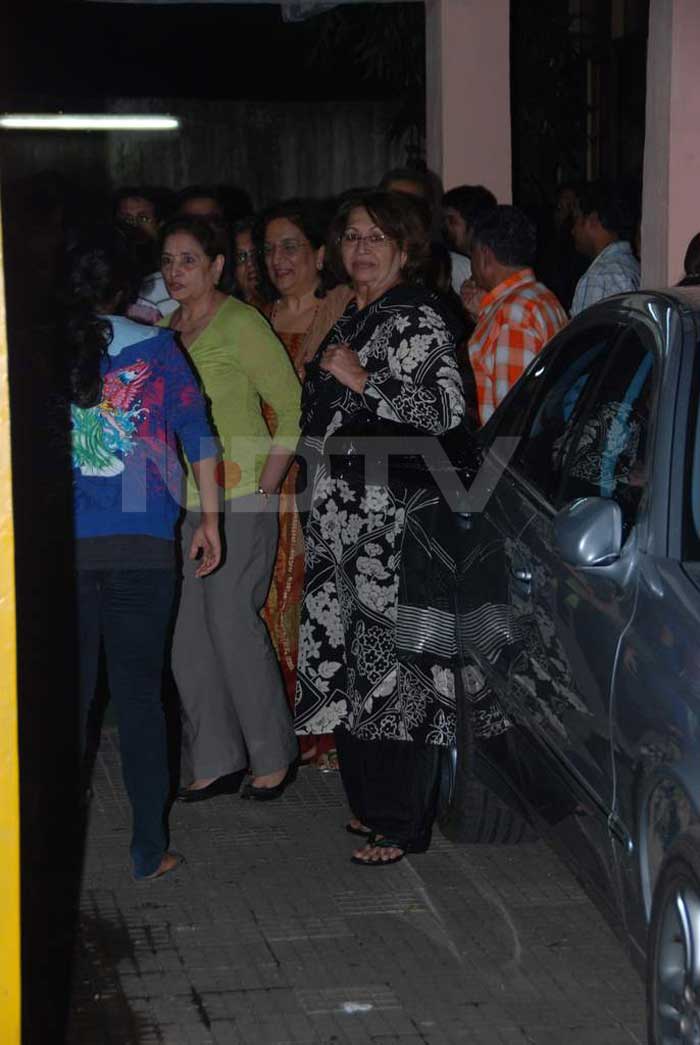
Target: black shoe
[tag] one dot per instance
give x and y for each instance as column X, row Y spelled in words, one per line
column 266, row 794
column 223, row 785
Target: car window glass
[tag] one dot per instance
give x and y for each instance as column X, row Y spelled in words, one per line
column 562, row 378
column 691, row 499
column 606, row 453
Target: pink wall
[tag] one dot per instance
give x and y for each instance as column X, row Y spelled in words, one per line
column 671, row 206
column 468, row 93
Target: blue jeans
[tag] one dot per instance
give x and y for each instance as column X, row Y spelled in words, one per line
column 131, row 612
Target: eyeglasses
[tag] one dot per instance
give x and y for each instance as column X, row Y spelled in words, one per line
column 137, row 219
column 353, row 239
column 289, row 247
column 243, row 256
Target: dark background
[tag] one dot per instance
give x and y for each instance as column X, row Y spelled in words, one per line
column 92, row 50
column 578, row 71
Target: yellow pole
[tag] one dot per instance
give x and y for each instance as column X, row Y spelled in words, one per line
column 10, row 989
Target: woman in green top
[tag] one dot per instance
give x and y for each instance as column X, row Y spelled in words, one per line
column 234, row 708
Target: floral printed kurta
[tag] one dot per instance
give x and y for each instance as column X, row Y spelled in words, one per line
column 368, row 661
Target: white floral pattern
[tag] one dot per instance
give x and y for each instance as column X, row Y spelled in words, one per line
column 349, row 671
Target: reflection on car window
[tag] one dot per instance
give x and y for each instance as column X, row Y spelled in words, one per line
column 563, row 378
column 605, row 455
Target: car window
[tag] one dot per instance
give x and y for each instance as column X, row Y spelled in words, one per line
column 606, row 453
column 691, row 499
column 560, row 381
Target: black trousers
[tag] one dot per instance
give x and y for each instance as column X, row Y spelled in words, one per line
column 392, row 786
column 131, row 612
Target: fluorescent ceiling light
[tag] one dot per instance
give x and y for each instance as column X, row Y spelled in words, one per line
column 86, row 122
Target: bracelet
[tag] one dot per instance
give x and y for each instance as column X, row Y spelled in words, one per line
column 263, row 493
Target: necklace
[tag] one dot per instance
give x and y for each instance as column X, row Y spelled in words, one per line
column 299, row 356
column 311, row 308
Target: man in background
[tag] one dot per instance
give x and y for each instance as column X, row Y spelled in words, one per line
column 517, row 315
column 426, row 186
column 601, row 231
column 461, row 207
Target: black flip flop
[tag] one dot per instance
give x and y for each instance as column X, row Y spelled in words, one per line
column 380, row 843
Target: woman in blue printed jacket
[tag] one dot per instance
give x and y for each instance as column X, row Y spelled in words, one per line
column 134, row 399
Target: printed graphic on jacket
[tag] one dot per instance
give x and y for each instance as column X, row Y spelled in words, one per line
column 103, row 435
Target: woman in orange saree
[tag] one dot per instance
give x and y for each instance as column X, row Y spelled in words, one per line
column 292, row 236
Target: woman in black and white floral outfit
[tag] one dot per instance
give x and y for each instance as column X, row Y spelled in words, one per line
column 377, row 628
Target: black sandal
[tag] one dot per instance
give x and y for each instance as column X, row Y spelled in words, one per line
column 380, row 843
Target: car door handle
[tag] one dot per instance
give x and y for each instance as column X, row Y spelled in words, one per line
column 522, row 574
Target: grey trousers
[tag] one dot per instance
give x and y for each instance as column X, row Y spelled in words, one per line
column 234, row 710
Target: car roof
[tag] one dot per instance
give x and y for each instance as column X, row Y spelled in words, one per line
column 684, row 301
column 688, row 298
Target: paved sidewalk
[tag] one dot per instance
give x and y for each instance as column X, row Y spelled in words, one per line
column 268, row 935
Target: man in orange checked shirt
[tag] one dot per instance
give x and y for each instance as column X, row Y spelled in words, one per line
column 516, row 315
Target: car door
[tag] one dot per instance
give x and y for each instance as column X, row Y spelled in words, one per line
column 563, row 627
column 494, row 605
column 575, row 618
column 657, row 680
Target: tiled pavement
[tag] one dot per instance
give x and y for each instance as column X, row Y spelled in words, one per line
column 268, row 935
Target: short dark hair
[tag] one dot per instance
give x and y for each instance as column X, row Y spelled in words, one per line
column 312, row 218
column 141, row 192
column 614, row 208
column 399, row 216
column 428, row 182
column 211, row 237
column 406, row 174
column 200, row 192
column 691, row 263
column 509, row 233
column 235, row 201
column 471, row 201
column 243, row 225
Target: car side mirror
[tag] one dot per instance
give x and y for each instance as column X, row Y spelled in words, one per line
column 588, row 532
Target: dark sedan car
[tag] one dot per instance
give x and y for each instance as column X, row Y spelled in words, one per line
column 579, row 628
